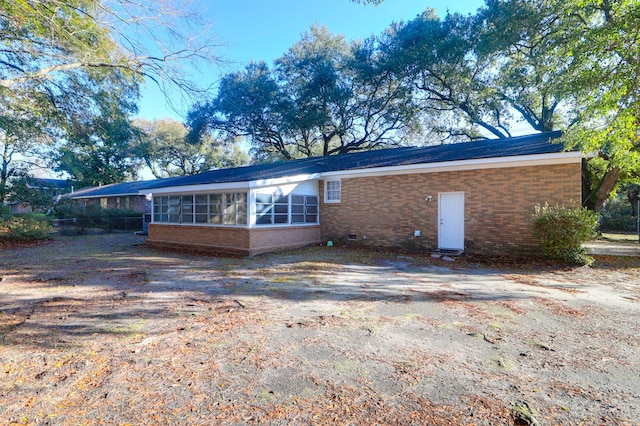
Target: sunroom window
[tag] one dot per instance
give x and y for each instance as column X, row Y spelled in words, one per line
column 304, row 209
column 278, row 209
column 202, row 208
column 220, row 209
column 272, row 209
column 235, row 208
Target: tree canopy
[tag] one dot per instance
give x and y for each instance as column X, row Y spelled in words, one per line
column 165, row 149
column 324, row 96
column 532, row 64
column 46, row 41
column 59, row 60
column 70, row 70
column 99, row 145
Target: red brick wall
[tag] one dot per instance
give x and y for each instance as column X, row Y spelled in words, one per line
column 385, row 211
column 214, row 239
column 229, row 240
column 139, row 203
column 270, row 239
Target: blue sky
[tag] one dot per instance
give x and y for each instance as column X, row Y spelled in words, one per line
column 265, row 29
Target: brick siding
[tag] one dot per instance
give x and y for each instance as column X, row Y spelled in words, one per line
column 385, row 211
column 271, row 239
column 214, row 239
column 229, row 240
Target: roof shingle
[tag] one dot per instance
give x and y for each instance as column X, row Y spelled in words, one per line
column 487, row 148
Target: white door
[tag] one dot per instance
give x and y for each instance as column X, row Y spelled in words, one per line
column 451, row 220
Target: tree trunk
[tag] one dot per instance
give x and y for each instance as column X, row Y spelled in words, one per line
column 606, row 186
column 588, row 196
column 594, row 199
column 4, row 172
column 633, row 195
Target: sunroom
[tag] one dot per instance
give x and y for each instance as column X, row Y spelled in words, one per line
column 245, row 219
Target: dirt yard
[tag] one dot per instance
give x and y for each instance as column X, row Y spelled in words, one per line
column 103, row 330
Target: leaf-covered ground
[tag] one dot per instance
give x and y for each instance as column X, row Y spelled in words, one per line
column 103, row 330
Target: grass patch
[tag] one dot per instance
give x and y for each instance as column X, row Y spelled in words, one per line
column 286, row 280
column 127, row 332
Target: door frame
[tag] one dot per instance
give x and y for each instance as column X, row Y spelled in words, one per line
column 458, row 220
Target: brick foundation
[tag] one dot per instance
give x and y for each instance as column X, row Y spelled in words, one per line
column 230, row 240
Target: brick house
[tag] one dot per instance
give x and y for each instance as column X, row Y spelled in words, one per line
column 476, row 196
column 115, row 196
column 50, row 188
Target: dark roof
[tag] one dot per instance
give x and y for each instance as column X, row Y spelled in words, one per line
column 114, row 189
column 404, row 156
column 487, row 148
column 52, row 183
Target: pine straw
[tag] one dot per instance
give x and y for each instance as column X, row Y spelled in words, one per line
column 137, row 348
column 207, row 369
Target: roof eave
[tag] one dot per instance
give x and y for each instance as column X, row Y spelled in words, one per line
column 230, row 186
column 483, row 163
column 459, row 165
column 75, row 195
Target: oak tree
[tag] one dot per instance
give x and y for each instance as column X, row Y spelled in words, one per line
column 166, row 151
column 324, row 96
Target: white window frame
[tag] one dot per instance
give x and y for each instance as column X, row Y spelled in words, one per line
column 231, row 208
column 307, row 209
column 329, row 194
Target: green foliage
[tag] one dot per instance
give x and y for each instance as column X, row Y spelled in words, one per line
column 55, row 63
column 99, row 146
column 119, row 219
column 566, row 64
column 617, row 206
column 450, row 81
column 619, row 213
column 78, row 220
column 324, row 96
column 24, row 228
column 164, row 147
column 39, row 195
column 562, row 231
column 60, row 59
column 619, row 224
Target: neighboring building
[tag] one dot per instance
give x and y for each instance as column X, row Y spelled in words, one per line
column 116, row 196
column 53, row 188
column 476, row 196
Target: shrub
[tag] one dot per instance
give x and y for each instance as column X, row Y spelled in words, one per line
column 24, row 228
column 119, row 219
column 562, row 231
column 77, row 220
column 619, row 224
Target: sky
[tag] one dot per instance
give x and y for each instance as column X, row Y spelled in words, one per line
column 263, row 30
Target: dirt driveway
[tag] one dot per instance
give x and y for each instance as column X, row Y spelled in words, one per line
column 104, row 330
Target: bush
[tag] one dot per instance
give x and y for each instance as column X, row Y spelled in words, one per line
column 562, row 231
column 77, row 220
column 5, row 211
column 619, row 224
column 119, row 219
column 24, row 228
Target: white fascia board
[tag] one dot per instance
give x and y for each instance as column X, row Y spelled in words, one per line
column 451, row 166
column 192, row 189
column 230, row 186
column 75, row 195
